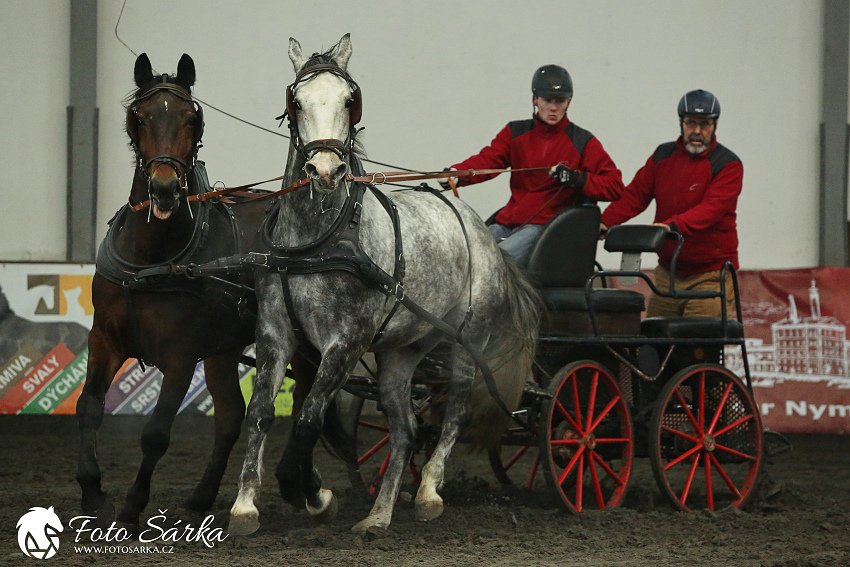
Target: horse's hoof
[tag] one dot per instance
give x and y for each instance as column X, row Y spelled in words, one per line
column 370, row 529
column 105, row 515
column 328, row 510
column 199, row 503
column 128, row 519
column 133, row 530
column 428, row 510
column 244, row 524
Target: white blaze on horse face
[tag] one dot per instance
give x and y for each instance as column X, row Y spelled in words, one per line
column 323, row 115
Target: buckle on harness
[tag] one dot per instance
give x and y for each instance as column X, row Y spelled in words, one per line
column 398, row 288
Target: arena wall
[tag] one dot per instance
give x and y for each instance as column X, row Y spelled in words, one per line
column 439, row 79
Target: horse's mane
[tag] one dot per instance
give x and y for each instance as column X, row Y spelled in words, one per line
column 131, row 97
column 326, row 58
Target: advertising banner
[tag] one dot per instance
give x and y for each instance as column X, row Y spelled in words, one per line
column 45, row 315
column 795, row 322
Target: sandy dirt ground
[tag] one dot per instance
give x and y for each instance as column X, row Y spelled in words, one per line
column 800, row 516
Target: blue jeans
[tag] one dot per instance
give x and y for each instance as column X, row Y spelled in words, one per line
column 518, row 244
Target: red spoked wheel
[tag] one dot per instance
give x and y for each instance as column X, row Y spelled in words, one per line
column 371, row 436
column 586, row 438
column 515, row 465
column 706, row 439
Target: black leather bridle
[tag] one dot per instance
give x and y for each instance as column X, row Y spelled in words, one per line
column 354, row 104
column 180, row 166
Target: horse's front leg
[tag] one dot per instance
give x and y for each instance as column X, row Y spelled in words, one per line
column 338, row 361
column 275, row 345
column 288, row 473
column 156, row 435
column 395, row 372
column 103, row 363
column 222, row 379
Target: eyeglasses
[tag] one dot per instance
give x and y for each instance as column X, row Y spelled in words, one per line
column 693, row 123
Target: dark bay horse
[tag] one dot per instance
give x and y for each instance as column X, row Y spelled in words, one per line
column 343, row 284
column 168, row 321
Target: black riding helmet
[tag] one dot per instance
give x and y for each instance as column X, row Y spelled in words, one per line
column 552, row 81
column 699, row 103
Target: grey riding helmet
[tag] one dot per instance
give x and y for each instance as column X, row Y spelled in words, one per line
column 552, row 81
column 699, row 103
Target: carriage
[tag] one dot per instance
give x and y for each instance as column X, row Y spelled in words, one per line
column 607, row 387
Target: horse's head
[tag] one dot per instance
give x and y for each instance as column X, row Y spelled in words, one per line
column 165, row 126
column 323, row 106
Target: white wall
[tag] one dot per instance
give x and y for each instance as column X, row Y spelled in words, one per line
column 439, row 80
column 34, row 96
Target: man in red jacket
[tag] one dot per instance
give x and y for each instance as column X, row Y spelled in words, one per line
column 575, row 160
column 695, row 183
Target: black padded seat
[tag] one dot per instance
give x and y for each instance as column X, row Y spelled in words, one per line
column 602, row 300
column 691, row 328
column 616, row 312
column 562, row 260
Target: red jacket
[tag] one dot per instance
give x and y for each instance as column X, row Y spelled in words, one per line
column 696, row 195
column 536, row 197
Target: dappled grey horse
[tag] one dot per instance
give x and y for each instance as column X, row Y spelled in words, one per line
column 349, row 272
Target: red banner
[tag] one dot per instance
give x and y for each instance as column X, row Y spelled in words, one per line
column 796, row 322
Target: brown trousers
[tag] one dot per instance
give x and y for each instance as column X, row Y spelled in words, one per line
column 669, row 307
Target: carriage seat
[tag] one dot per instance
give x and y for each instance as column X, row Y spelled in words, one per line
column 691, row 328
column 638, row 239
column 561, row 262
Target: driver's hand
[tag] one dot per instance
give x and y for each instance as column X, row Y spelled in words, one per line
column 444, row 183
column 565, row 175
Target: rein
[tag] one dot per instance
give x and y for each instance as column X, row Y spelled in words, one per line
column 376, row 178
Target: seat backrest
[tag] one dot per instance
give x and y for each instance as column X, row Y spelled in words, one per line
column 565, row 253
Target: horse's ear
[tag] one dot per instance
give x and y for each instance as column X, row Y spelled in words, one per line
column 142, row 73
column 295, row 54
column 185, row 72
column 342, row 51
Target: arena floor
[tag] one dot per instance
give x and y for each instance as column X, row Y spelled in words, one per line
column 800, row 517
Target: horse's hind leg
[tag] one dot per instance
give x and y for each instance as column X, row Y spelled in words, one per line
column 275, row 344
column 222, row 379
column 156, row 436
column 103, row 363
column 395, row 371
column 429, row 504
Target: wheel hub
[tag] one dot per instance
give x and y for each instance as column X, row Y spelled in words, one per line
column 589, row 441
column 709, row 443
column 564, row 452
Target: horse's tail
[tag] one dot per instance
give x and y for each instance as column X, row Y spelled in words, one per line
column 509, row 354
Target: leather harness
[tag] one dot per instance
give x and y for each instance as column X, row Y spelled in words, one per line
column 339, row 250
column 134, row 277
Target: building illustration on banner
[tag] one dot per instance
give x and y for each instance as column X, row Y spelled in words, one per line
column 804, row 349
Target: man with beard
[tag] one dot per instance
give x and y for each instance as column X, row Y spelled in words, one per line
column 695, row 183
column 578, row 165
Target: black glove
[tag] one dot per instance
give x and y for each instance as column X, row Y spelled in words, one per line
column 568, row 177
column 444, row 183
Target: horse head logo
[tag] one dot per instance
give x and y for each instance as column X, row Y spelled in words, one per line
column 38, row 533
